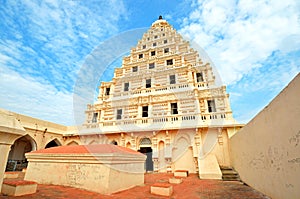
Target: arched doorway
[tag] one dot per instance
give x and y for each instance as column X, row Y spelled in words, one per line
column 16, row 158
column 114, row 142
column 53, row 143
column 145, row 148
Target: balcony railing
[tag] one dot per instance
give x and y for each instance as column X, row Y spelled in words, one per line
column 172, row 121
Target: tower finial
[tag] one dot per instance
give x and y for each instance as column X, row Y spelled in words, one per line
column 160, row 17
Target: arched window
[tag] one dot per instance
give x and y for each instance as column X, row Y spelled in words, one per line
column 145, row 141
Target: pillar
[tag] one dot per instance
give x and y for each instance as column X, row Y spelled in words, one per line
column 10, row 131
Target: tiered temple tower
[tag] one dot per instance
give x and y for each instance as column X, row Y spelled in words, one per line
column 164, row 102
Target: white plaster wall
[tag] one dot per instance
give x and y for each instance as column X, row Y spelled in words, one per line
column 90, row 176
column 266, row 152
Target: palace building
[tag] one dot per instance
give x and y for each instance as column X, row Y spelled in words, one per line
column 164, row 102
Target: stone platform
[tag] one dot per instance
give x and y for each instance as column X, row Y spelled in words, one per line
column 18, row 187
column 101, row 168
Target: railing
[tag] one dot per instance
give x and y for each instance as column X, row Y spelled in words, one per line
column 172, row 121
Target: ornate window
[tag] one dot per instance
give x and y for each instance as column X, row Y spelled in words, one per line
column 211, row 106
column 95, row 117
column 172, row 79
column 148, row 83
column 119, row 114
column 126, row 86
column 151, row 65
column 145, row 111
column 174, row 109
column 199, row 77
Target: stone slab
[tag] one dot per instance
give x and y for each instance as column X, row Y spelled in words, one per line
column 162, row 189
column 175, row 180
column 181, row 173
column 11, row 175
column 18, row 187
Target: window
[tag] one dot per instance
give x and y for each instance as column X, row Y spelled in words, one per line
column 148, row 38
column 166, row 50
column 144, row 46
column 154, row 44
column 145, row 111
column 155, row 37
column 95, row 117
column 151, row 65
column 148, row 83
column 164, row 34
column 170, row 62
column 134, row 69
column 172, row 79
column 174, row 109
column 141, row 56
column 211, row 106
column 165, row 41
column 126, row 86
column 152, row 53
column 119, row 114
column 199, row 77
column 107, row 91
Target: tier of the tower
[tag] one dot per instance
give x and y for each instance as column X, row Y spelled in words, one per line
column 163, row 81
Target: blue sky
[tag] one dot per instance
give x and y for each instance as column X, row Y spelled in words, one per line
column 254, row 44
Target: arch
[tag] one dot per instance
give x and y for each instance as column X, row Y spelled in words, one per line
column 182, row 154
column 180, row 136
column 161, row 156
column 145, row 147
column 72, row 143
column 16, row 156
column 93, row 142
column 145, row 142
column 53, row 143
column 114, row 142
column 128, row 144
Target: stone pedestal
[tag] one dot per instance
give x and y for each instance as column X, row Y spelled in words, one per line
column 162, row 189
column 18, row 187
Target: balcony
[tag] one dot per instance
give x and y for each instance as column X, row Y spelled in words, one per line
column 161, row 123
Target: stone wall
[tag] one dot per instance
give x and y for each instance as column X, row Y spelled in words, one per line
column 266, row 152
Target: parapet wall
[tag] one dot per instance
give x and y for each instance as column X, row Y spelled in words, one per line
column 266, row 152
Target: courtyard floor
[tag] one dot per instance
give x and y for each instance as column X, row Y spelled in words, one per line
column 191, row 187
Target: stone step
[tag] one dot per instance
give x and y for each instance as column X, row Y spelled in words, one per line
column 229, row 174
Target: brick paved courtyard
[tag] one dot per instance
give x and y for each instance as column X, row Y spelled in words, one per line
column 191, row 187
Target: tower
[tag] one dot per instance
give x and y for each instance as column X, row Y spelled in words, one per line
column 164, row 102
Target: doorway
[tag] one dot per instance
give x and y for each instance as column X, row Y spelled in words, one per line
column 148, row 152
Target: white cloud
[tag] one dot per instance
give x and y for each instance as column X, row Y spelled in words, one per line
column 239, row 35
column 43, row 46
column 26, row 96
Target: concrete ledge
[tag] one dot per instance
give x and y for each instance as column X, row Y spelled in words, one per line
column 11, row 175
column 175, row 180
column 162, row 189
column 18, row 187
column 181, row 173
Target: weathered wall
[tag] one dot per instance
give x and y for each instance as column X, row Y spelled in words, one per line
column 266, row 152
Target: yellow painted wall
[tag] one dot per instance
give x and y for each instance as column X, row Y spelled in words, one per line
column 266, row 152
